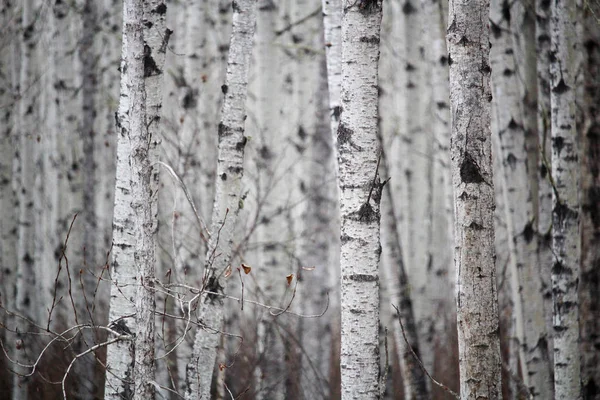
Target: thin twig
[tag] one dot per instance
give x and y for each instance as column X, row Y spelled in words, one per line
column 189, row 199
column 446, row 388
column 62, row 256
column 296, row 23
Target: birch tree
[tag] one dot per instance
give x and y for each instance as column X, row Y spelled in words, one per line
column 131, row 360
column 441, row 235
column 198, row 82
column 477, row 303
column 107, row 96
column 394, row 272
column 544, row 214
column 332, row 29
column 23, row 169
column 565, row 201
column 525, row 272
column 8, row 221
column 276, row 186
column 360, row 195
column 590, row 203
column 142, row 199
column 317, row 183
column 230, row 168
column 417, row 140
column 148, row 56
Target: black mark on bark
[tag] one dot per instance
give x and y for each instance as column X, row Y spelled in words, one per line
column 469, row 170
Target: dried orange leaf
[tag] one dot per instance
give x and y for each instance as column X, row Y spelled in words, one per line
column 228, row 271
column 289, row 279
column 247, row 269
column 309, row 268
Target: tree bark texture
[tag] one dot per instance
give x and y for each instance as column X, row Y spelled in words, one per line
column 360, row 196
column 590, row 207
column 230, row 162
column 544, row 213
column 566, row 245
column 477, row 303
column 399, row 294
column 120, row 356
column 527, row 284
column 25, row 142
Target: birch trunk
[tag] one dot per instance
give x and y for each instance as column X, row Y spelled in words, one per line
column 9, row 218
column 148, row 46
column 120, row 356
column 360, row 195
column 525, row 272
column 394, row 272
column 477, row 303
column 24, row 145
column 317, row 183
column 441, row 236
column 63, row 160
column 566, row 207
column 417, row 139
column 544, row 214
column 227, row 199
column 195, row 155
column 275, row 185
column 107, row 97
column 332, row 24
column 590, row 205
column 88, row 28
column 318, row 242
column 8, row 197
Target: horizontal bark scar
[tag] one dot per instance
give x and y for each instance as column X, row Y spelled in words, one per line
column 362, row 278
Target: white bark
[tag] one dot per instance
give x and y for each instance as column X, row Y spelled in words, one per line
column 544, row 213
column 9, row 218
column 590, row 205
column 441, row 236
column 360, row 194
column 195, row 156
column 227, row 199
column 109, row 41
column 477, row 303
column 417, row 140
column 332, row 24
column 525, row 272
column 138, row 59
column 24, row 144
column 318, row 242
column 566, row 207
column 399, row 294
column 148, row 46
column 8, row 118
column 332, row 29
column 120, row 356
column 63, row 160
column 276, row 185
column 87, row 27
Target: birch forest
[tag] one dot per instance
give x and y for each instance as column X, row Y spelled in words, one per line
column 300, row 199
